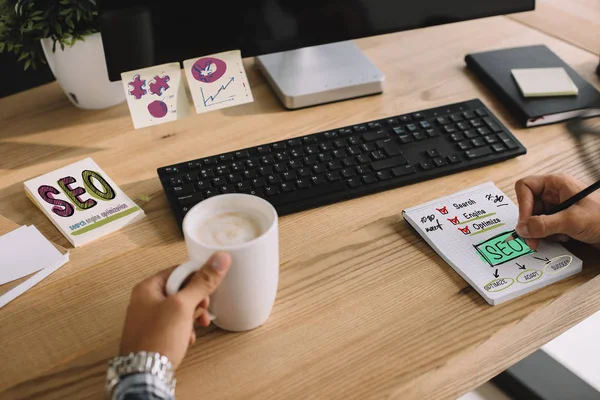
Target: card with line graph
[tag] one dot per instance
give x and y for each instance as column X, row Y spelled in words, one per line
column 155, row 95
column 218, row 81
column 467, row 229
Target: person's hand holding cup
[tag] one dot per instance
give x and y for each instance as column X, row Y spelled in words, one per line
column 245, row 227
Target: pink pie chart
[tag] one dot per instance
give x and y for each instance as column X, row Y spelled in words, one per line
column 158, row 109
column 208, row 69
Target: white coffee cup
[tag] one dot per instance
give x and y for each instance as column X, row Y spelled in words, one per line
column 245, row 297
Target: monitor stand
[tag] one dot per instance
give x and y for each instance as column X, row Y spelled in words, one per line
column 320, row 74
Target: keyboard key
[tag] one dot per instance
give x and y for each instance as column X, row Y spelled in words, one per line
column 172, row 170
column 491, row 139
column 280, row 167
column 225, row 157
column 183, row 189
column 334, row 165
column 265, row 149
column 442, row 120
column 353, row 182
column 359, row 128
column 185, row 209
column 278, row 146
column 287, row 187
column 374, row 125
column 194, row 165
column 498, row 148
column 333, row 176
column 432, row 132
column 294, row 142
column 471, row 133
column 190, row 199
column 368, row 147
column 209, row 160
column 483, row 131
column 241, row 154
column 348, row 172
column 478, row 142
column 425, row 124
column 391, row 121
column 345, row 131
column 340, row 143
column 282, row 156
column 481, row 112
column 377, row 155
column 203, row 185
column 250, row 174
column 454, row 159
column 341, row 153
column 325, row 146
column 307, row 194
column 354, row 140
column 266, row 160
column 226, row 189
column 432, row 153
column 440, row 162
column 476, row 123
column 252, row 163
column 479, row 152
column 412, row 127
column 450, row 128
column 457, row 137
column 420, row 135
column 309, row 140
column 303, row 183
column 456, row 117
column 323, row 157
column 206, row 173
column 469, row 114
column 289, row 175
column 242, row 187
column 304, row 172
column 295, row 164
column 257, row 192
column 383, row 175
column 272, row 179
column 219, row 181
column 508, row 142
column 418, row 115
column 377, row 135
column 320, row 169
column 296, row 153
column 317, row 179
column 348, row 162
column 354, row 151
column 389, row 163
column 463, row 125
column 494, row 127
column 465, row 145
column 399, row 131
column 310, row 160
column 330, row 135
column 313, row 149
column 222, row 170
column 175, row 182
column 426, row 165
column 210, row 193
column 234, row 178
column 258, row 182
column 266, row 170
column 271, row 191
column 402, row 171
column 364, row 159
column 369, row 178
column 405, row 118
column 363, row 169
column 405, row 139
column 237, row 167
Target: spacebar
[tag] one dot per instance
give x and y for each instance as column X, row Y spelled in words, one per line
column 306, row 194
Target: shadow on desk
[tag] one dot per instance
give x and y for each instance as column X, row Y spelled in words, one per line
column 11, row 153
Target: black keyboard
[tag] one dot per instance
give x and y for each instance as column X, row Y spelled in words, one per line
column 344, row 163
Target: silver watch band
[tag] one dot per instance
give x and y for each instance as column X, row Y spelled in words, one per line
column 142, row 362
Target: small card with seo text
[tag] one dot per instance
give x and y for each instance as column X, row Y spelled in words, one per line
column 82, row 201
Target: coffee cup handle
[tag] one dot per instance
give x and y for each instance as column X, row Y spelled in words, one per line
column 179, row 275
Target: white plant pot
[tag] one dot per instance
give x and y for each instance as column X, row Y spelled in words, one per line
column 81, row 72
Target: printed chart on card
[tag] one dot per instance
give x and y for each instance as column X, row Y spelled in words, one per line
column 467, row 229
column 218, row 81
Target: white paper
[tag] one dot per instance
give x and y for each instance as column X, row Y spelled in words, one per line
column 155, row 95
column 541, row 82
column 467, row 230
column 23, row 252
column 218, row 81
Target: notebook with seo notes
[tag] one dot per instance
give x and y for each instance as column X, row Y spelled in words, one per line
column 467, row 229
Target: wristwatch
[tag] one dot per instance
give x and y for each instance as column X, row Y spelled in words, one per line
column 142, row 362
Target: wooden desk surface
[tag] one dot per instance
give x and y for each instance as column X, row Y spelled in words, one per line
column 365, row 308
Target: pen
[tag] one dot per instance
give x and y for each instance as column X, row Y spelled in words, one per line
column 563, row 206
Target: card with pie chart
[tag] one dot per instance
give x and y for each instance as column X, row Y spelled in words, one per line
column 217, row 81
column 155, row 95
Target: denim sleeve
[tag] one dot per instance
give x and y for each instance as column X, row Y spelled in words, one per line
column 142, row 387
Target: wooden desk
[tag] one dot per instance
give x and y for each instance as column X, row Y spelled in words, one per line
column 365, row 308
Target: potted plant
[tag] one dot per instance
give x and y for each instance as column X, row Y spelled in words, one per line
column 70, row 43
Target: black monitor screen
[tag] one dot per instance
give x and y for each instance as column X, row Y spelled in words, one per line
column 138, row 34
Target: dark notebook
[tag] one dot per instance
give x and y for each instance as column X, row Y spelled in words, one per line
column 493, row 68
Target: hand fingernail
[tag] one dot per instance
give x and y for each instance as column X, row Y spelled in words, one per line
column 220, row 261
column 522, row 229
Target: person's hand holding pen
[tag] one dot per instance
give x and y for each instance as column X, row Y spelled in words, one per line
column 538, row 195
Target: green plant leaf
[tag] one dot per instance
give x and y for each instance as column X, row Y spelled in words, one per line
column 78, row 15
column 66, row 11
column 2, row 45
column 69, row 22
column 23, row 56
column 10, row 46
column 27, row 64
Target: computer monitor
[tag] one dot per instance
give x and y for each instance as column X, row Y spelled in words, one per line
column 303, row 45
